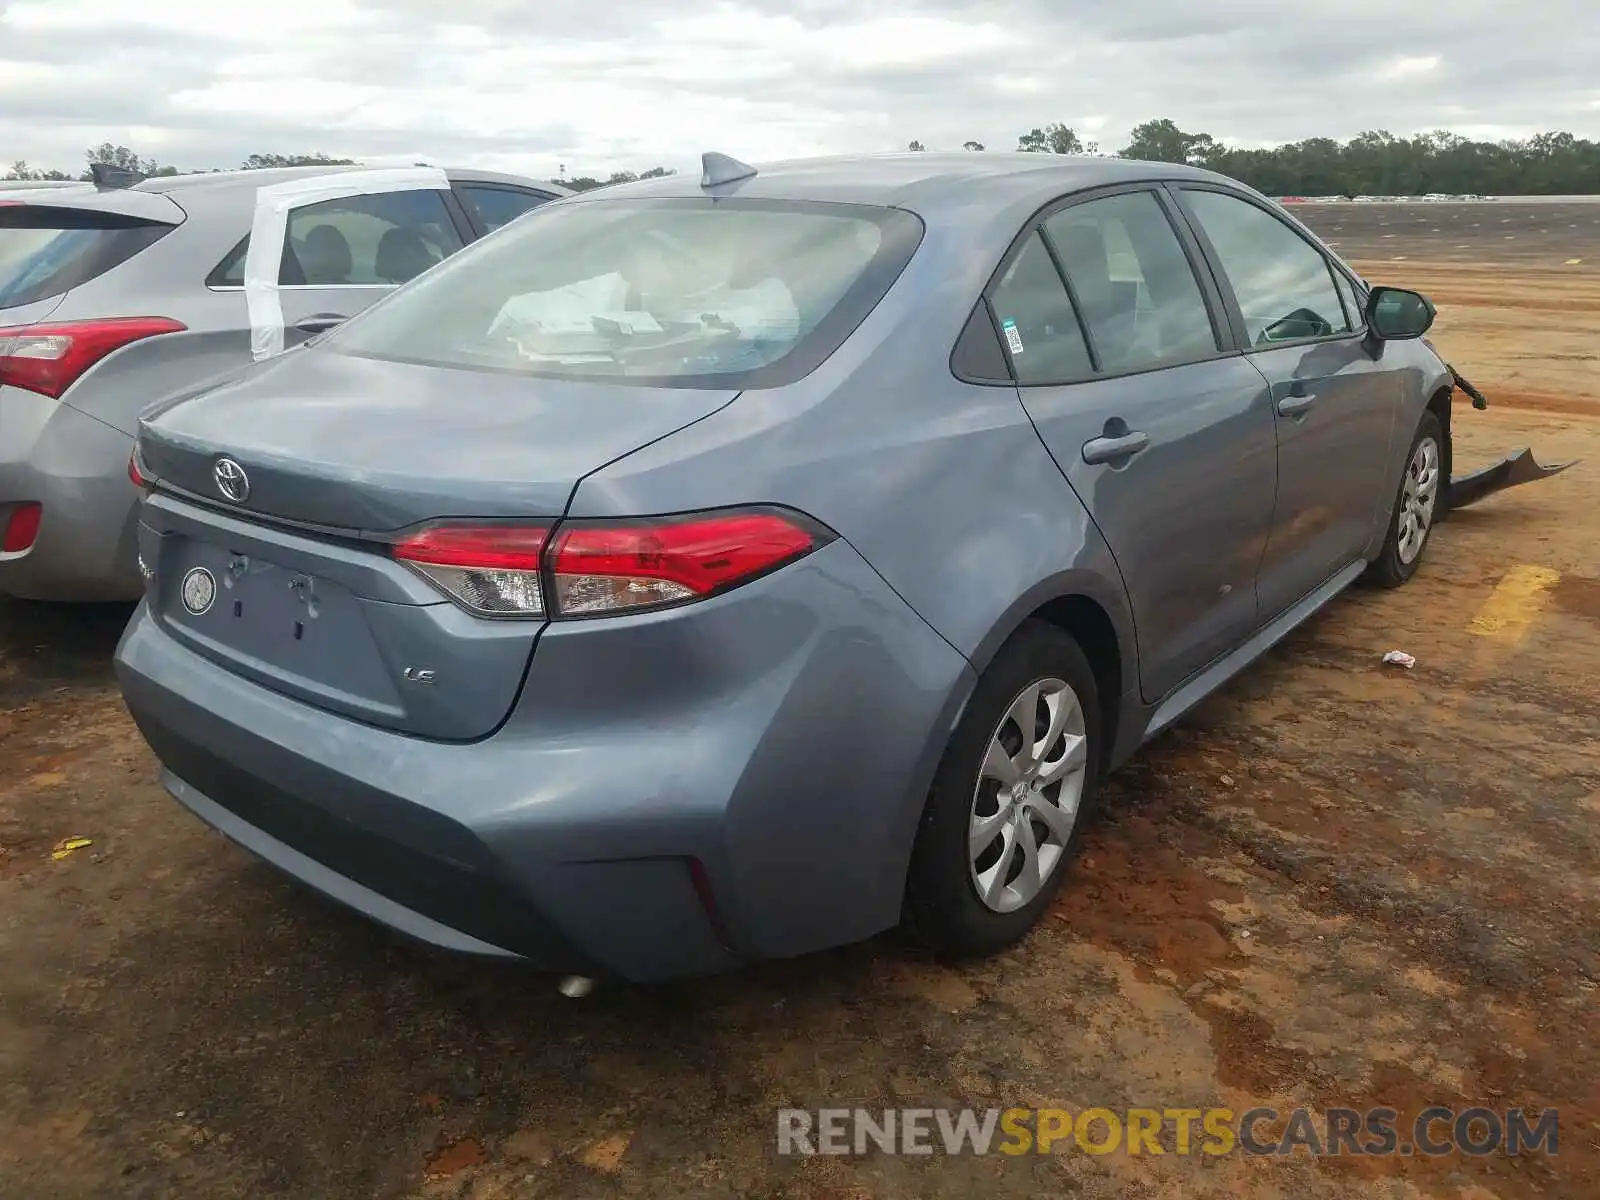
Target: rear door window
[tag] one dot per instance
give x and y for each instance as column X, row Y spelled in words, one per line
column 1133, row 283
column 378, row 239
column 46, row 251
column 496, row 206
column 1037, row 323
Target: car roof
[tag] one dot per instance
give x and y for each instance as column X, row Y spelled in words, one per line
column 923, row 181
column 267, row 176
column 29, row 185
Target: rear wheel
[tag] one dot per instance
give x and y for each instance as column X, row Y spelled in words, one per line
column 1004, row 814
column 1416, row 508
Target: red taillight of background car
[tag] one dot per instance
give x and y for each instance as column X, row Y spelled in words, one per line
column 598, row 567
column 21, row 528
column 49, row 358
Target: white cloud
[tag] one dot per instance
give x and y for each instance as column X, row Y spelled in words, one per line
column 1420, row 65
column 633, row 83
column 283, row 19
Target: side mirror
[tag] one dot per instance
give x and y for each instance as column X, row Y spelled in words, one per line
column 1397, row 315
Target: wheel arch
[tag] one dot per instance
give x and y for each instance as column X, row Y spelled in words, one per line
column 1439, row 405
column 1094, row 613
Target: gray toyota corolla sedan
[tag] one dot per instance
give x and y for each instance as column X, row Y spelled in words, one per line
column 730, row 566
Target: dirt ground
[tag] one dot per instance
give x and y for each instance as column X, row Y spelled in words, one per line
column 1335, row 884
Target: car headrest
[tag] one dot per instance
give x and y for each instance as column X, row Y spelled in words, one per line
column 402, row 255
column 325, row 256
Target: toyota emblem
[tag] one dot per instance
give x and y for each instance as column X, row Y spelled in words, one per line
column 231, row 480
column 199, row 591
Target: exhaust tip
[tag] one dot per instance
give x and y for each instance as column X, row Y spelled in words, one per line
column 576, row 987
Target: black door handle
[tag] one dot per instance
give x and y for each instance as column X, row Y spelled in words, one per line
column 320, row 322
column 1110, row 449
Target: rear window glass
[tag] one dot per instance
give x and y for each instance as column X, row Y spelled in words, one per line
column 677, row 292
column 45, row 252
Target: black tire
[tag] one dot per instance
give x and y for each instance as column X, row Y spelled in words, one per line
column 1392, row 568
column 943, row 908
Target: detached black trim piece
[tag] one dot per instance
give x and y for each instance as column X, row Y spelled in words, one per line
column 1479, row 400
column 1509, row 472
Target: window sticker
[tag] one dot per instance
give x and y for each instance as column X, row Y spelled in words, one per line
column 1013, row 337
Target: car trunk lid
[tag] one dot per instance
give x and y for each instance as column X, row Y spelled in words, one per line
column 294, row 586
column 362, row 445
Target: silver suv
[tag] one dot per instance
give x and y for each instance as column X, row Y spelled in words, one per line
column 114, row 297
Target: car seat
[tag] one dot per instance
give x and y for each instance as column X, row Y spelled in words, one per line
column 325, row 256
column 402, row 255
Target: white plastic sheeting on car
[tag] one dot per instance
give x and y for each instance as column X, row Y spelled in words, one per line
column 270, row 226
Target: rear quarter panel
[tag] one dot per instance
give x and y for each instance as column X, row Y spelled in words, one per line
column 943, row 487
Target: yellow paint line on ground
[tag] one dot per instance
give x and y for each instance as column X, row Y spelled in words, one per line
column 1573, row 262
column 1515, row 602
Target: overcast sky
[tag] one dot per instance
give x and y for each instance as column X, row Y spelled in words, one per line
column 601, row 84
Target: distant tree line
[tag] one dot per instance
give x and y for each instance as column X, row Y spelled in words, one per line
column 586, row 183
column 121, row 156
column 1376, row 163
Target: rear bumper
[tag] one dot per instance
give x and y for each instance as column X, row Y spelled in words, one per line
column 77, row 468
column 775, row 742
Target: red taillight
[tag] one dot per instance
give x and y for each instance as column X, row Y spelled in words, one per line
column 22, row 528
column 134, row 473
column 490, row 569
column 50, row 358
column 606, row 566
column 599, row 567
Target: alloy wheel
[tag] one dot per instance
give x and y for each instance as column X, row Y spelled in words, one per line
column 1025, row 802
column 1418, row 498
